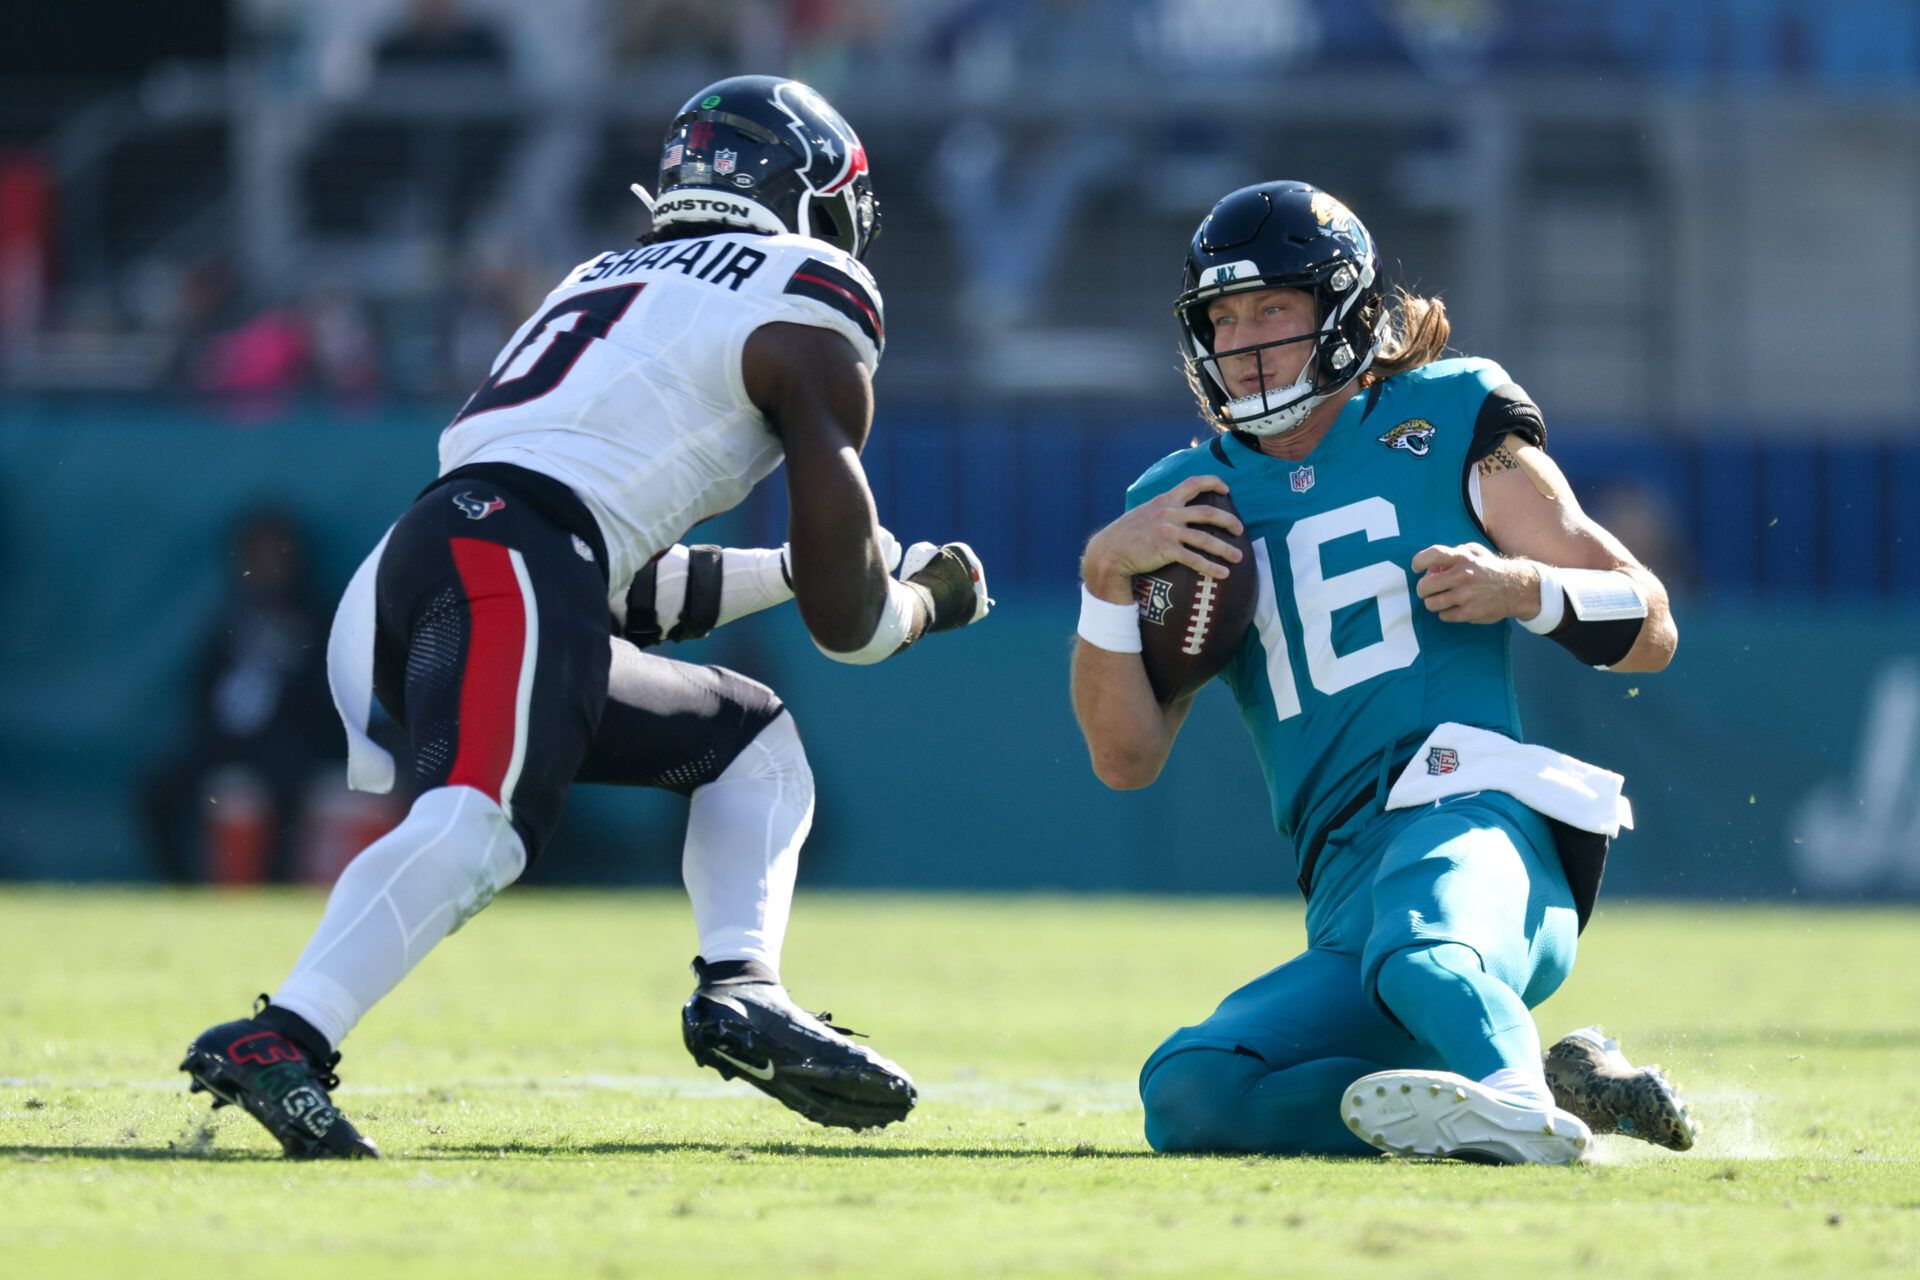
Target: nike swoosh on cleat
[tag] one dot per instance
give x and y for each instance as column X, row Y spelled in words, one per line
column 758, row 1073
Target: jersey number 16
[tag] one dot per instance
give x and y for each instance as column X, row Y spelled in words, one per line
column 1317, row 597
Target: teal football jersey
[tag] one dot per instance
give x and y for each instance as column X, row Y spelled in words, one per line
column 1344, row 664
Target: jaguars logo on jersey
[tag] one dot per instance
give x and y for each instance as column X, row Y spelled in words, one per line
column 1415, row 435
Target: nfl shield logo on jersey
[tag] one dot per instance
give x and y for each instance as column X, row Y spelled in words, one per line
column 724, row 160
column 1301, row 479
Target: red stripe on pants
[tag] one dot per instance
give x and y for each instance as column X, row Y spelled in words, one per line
column 490, row 687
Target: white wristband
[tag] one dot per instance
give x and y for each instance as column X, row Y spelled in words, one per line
column 1109, row 626
column 1553, row 602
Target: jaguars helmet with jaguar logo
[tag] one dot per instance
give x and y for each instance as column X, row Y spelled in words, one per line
column 1282, row 235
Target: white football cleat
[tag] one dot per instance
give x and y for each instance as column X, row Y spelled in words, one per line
column 1440, row 1114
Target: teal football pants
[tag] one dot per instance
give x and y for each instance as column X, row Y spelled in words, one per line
column 1431, row 934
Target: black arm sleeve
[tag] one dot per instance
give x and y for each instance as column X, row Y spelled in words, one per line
column 1506, row 411
column 1598, row 644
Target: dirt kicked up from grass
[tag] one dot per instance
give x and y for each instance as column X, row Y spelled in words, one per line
column 540, row 1117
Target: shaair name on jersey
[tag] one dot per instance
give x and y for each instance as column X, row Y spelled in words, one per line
column 733, row 263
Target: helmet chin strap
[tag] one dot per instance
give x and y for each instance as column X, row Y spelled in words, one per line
column 1255, row 414
column 645, row 199
column 1251, row 415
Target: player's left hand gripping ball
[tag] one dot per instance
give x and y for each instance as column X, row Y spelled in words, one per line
column 954, row 580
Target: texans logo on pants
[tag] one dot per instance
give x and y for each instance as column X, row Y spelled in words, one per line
column 478, row 508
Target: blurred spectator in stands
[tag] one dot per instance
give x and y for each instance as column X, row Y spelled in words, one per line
column 1012, row 185
column 389, row 165
column 225, row 804
column 343, row 347
column 26, row 242
column 1449, row 39
column 323, row 342
column 490, row 299
column 828, row 40
column 440, row 35
column 720, row 39
column 258, row 362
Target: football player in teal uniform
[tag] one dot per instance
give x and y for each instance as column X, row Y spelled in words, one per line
column 1401, row 508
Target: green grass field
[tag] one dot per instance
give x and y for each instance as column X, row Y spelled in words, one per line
column 541, row 1118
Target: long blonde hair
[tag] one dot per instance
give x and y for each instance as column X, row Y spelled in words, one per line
column 1416, row 330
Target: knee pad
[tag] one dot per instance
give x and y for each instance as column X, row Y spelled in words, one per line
column 456, row 848
column 776, row 755
column 1189, row 1099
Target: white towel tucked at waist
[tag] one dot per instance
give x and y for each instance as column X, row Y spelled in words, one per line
column 1458, row 758
column 350, row 675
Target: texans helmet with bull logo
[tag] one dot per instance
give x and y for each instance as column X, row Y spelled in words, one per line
column 767, row 154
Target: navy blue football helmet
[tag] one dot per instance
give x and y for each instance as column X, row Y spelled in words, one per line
column 1282, row 235
column 770, row 155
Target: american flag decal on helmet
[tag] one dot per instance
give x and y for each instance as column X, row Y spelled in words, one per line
column 851, row 298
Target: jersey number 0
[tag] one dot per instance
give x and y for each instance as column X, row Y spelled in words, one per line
column 1317, row 597
column 594, row 314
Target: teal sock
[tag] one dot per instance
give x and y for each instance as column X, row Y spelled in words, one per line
column 1476, row 1024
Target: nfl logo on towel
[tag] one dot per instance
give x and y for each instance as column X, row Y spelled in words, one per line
column 1302, row 479
column 1442, row 760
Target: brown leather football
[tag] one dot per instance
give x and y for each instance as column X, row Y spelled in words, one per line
column 1191, row 625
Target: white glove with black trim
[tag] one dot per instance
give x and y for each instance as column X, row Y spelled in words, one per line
column 954, row 580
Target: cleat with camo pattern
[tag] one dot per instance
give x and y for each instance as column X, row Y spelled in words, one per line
column 1591, row 1078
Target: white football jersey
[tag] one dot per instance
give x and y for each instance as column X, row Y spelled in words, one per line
column 626, row 385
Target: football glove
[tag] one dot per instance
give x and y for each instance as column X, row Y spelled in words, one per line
column 954, row 580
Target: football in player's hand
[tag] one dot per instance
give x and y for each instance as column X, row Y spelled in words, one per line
column 1190, row 624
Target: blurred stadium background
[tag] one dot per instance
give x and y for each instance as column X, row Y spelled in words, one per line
column 254, row 253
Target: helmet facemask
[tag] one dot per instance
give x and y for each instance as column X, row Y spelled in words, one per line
column 1344, row 340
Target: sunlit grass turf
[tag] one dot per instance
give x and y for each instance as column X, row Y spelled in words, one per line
column 541, row 1118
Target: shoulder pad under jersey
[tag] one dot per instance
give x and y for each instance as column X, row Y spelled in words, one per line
column 827, row 287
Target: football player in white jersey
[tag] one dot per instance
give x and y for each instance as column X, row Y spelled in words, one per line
column 501, row 621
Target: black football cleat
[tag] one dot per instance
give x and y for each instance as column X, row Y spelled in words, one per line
column 254, row 1066
column 741, row 1022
